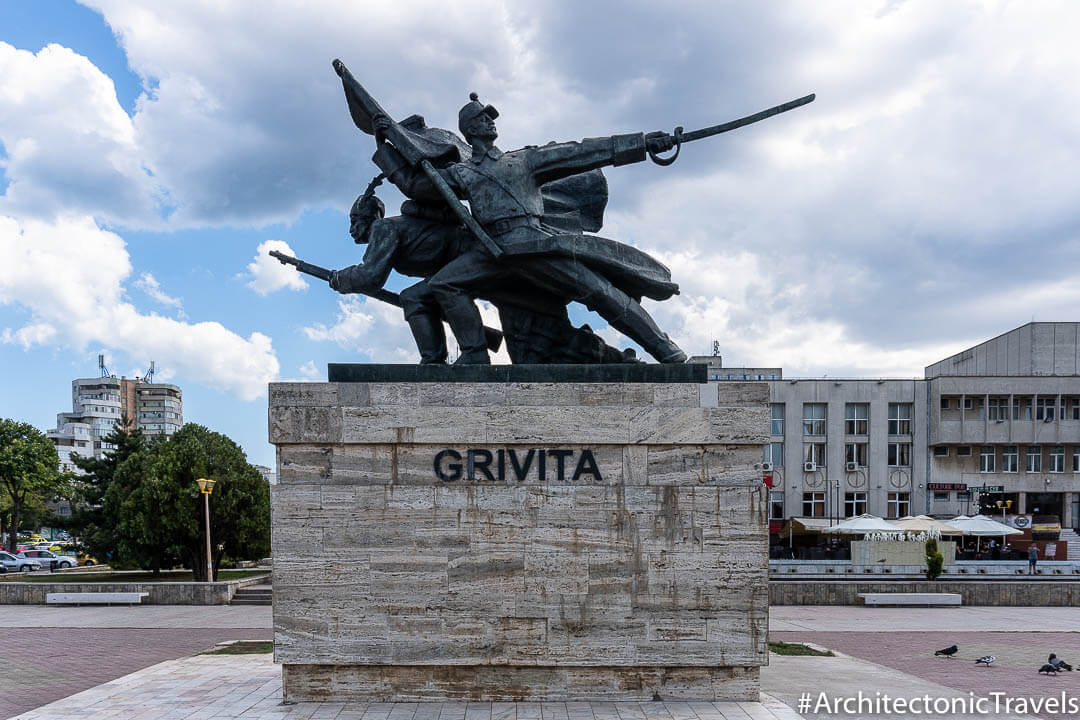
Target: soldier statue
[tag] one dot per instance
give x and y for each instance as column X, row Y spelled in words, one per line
column 523, row 242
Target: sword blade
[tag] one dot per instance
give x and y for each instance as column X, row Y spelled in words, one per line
column 748, row 120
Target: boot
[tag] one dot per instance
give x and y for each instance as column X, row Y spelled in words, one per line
column 637, row 325
column 464, row 320
column 427, row 331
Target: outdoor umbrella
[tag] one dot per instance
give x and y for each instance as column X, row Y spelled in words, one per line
column 981, row 526
column 926, row 524
column 863, row 524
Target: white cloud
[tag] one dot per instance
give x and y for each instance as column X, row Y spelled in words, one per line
column 308, row 371
column 149, row 285
column 70, row 275
column 268, row 275
column 29, row 335
column 370, row 328
column 69, row 144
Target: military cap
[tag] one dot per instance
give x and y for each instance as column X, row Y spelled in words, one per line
column 473, row 108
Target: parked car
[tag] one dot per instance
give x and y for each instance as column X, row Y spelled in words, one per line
column 47, row 557
column 13, row 563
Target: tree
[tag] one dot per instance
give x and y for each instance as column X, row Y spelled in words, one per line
column 160, row 508
column 93, row 520
column 29, row 471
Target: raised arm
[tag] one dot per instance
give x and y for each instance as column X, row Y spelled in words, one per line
column 558, row 160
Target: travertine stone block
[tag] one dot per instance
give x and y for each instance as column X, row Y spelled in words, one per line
column 509, row 541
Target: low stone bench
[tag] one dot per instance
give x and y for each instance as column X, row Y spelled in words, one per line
column 95, row 598
column 923, row 599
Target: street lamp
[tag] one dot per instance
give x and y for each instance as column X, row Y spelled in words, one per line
column 206, row 486
column 1003, row 505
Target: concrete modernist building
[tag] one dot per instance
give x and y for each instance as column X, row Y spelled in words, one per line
column 997, row 422
column 97, row 404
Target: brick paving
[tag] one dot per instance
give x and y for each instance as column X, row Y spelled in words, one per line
column 1015, row 671
column 40, row 665
column 248, row 687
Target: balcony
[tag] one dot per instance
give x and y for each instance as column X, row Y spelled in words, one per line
column 1010, row 432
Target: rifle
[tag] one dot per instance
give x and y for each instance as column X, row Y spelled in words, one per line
column 492, row 336
column 681, row 137
column 417, row 150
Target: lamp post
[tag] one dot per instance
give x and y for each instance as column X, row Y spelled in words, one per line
column 206, row 486
column 1003, row 505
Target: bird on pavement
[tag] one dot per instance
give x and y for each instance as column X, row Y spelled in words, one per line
column 1049, row 669
column 985, row 660
column 947, row 652
column 1058, row 663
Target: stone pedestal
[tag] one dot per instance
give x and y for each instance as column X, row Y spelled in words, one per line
column 519, row 540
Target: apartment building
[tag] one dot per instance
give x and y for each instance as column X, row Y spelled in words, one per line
column 97, row 404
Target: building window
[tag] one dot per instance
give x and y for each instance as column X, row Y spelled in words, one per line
column 1010, row 459
column 854, row 504
column 963, row 451
column 813, row 504
column 855, row 453
column 941, row 451
column 946, row 403
column 813, row 418
column 1076, row 409
column 1021, row 408
column 1034, row 459
column 856, row 417
column 1044, row 409
column 963, row 495
column 899, row 418
column 1057, row 459
column 899, row 454
column 1076, row 459
column 776, row 418
column 998, row 409
column 986, row 459
column 776, row 506
column 899, row 505
column 814, row 453
column 774, row 453
column 968, row 404
column 941, row 496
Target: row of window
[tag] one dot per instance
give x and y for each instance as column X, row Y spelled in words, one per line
column 898, row 504
column 856, row 418
column 1017, row 408
column 1033, row 459
column 898, row 454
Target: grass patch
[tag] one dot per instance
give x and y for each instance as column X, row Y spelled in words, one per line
column 244, row 647
column 71, row 576
column 783, row 648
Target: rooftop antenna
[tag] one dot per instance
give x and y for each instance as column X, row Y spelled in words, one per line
column 101, row 365
column 149, row 377
column 715, row 347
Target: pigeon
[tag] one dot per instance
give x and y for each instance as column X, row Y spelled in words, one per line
column 947, row 652
column 985, row 660
column 1049, row 669
column 1058, row 663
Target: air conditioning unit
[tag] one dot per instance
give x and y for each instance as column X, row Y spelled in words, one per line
column 766, row 467
column 851, row 467
column 809, row 467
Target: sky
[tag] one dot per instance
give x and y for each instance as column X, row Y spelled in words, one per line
column 151, row 153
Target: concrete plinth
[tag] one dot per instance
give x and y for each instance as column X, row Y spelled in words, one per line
column 519, row 541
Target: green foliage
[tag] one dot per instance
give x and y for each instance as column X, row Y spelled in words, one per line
column 29, row 473
column 159, row 509
column 785, row 648
column 935, row 561
column 93, row 520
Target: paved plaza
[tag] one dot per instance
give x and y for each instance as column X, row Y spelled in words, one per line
column 120, row 662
